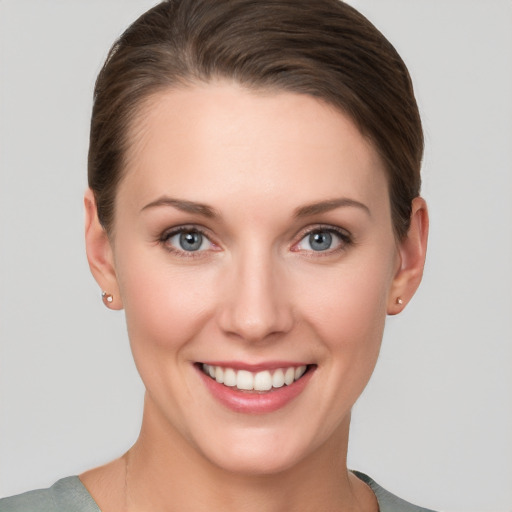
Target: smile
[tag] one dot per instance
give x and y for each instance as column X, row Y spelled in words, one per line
column 261, row 381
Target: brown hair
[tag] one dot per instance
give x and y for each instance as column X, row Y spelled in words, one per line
column 323, row 48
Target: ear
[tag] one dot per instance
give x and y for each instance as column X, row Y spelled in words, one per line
column 99, row 253
column 412, row 251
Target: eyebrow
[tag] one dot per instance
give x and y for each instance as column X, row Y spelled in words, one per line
column 303, row 211
column 331, row 204
column 183, row 205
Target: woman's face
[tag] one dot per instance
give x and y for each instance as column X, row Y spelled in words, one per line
column 253, row 238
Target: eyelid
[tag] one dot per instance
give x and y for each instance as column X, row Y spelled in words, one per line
column 183, row 228
column 186, row 228
column 345, row 236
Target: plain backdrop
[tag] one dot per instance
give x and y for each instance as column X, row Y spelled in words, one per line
column 435, row 423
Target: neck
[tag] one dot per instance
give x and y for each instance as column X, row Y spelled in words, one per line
column 165, row 473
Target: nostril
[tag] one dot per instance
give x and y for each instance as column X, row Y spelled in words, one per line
column 255, row 305
column 255, row 325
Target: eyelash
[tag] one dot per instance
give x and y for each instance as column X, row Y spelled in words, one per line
column 167, row 235
column 345, row 240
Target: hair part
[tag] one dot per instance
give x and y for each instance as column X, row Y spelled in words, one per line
column 325, row 49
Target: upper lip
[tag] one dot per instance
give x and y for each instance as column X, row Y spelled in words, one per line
column 256, row 367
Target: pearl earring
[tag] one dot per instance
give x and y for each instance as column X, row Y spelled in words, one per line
column 399, row 300
column 107, row 298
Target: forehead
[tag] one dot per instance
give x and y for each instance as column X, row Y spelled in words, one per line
column 220, row 139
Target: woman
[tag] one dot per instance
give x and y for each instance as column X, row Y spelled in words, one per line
column 254, row 208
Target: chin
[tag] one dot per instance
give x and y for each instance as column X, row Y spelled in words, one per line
column 258, row 453
column 256, row 462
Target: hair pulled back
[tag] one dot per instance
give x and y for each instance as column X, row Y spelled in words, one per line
column 323, row 48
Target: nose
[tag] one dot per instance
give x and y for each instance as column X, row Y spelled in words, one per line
column 256, row 304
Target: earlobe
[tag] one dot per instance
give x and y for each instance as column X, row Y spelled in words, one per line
column 100, row 255
column 412, row 252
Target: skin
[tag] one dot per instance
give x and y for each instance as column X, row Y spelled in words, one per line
column 255, row 292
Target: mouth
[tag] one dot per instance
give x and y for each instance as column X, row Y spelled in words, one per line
column 262, row 381
column 255, row 389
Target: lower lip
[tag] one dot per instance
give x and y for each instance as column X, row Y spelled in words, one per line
column 255, row 402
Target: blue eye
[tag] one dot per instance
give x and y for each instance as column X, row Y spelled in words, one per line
column 187, row 240
column 190, row 241
column 322, row 240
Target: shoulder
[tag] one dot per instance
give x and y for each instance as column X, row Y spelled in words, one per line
column 66, row 495
column 388, row 502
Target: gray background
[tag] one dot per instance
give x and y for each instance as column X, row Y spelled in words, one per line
column 435, row 423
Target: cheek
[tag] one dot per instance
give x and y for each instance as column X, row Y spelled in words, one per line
column 348, row 316
column 165, row 305
column 166, row 308
column 351, row 305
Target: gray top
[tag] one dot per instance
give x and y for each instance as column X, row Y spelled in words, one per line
column 69, row 495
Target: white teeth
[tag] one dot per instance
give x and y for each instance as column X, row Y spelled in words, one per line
column 219, row 375
column 244, row 380
column 263, row 381
column 278, row 379
column 299, row 372
column 289, row 376
column 229, row 377
column 259, row 381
